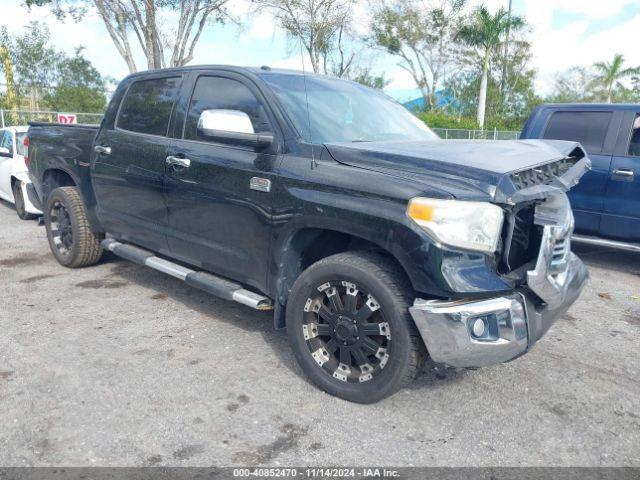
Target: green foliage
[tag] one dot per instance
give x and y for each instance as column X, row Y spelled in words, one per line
column 602, row 82
column 367, row 78
column 486, row 30
column 48, row 79
column 422, row 36
column 80, row 86
column 575, row 85
column 610, row 75
column 508, row 103
column 34, row 61
column 442, row 119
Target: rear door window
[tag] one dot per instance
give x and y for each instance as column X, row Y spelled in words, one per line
column 588, row 128
column 634, row 141
column 147, row 106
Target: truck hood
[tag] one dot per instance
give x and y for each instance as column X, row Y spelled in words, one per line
column 487, row 170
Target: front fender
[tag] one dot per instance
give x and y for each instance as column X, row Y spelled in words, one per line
column 431, row 268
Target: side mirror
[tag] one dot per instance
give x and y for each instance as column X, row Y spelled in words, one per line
column 233, row 127
column 4, row 152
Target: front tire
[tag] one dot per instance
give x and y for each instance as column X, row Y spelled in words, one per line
column 18, row 200
column 71, row 240
column 349, row 326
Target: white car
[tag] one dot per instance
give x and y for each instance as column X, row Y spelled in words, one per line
column 14, row 175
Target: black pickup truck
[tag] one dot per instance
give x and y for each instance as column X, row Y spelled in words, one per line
column 373, row 241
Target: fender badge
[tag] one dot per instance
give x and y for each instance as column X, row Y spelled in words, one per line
column 260, row 184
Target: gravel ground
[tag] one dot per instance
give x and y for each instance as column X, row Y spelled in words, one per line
column 120, row 365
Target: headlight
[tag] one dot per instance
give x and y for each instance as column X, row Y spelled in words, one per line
column 468, row 225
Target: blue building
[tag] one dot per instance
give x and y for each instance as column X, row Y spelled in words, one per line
column 443, row 99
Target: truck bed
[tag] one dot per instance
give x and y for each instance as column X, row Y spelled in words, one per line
column 58, row 149
column 59, row 146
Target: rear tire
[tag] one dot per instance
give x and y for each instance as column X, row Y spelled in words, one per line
column 350, row 329
column 18, row 200
column 71, row 240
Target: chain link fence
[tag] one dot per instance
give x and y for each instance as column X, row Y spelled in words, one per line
column 10, row 118
column 23, row 117
column 462, row 134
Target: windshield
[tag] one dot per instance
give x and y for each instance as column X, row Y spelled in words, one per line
column 343, row 111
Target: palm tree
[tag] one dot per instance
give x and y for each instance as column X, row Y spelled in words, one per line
column 485, row 32
column 611, row 74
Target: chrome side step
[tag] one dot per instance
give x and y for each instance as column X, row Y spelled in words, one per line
column 217, row 286
column 601, row 242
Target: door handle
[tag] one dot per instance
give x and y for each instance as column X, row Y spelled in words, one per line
column 102, row 150
column 178, row 162
column 624, row 174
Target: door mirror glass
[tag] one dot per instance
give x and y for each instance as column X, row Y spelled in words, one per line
column 4, row 152
column 213, row 121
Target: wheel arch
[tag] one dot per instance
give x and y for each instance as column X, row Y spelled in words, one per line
column 53, row 178
column 307, row 245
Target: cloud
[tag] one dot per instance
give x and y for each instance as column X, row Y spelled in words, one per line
column 401, row 79
column 592, row 9
column 261, row 27
column 564, row 33
column 294, row 63
column 556, row 48
column 89, row 33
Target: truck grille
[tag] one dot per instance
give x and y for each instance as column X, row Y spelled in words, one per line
column 559, row 257
column 543, row 174
column 521, row 238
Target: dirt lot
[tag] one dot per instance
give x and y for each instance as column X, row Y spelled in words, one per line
column 121, row 365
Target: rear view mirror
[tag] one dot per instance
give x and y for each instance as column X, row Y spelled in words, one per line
column 4, row 152
column 232, row 127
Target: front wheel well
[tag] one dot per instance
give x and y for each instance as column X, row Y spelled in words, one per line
column 308, row 246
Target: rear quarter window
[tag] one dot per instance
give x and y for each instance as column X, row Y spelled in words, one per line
column 20, row 148
column 588, row 128
column 147, row 105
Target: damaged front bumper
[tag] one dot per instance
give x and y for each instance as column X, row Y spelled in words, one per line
column 477, row 333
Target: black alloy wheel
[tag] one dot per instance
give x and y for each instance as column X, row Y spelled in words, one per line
column 70, row 237
column 350, row 329
column 61, row 228
column 345, row 332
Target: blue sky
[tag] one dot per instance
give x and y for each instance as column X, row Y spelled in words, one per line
column 564, row 33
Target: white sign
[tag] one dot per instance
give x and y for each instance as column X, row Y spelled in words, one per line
column 67, row 118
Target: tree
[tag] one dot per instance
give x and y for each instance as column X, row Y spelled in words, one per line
column 323, row 27
column 162, row 46
column 508, row 103
column 80, row 87
column 484, row 32
column 34, row 62
column 422, row 36
column 576, row 84
column 366, row 77
column 611, row 74
column 11, row 97
column 45, row 77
